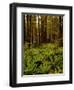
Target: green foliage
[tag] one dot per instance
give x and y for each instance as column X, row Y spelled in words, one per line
column 45, row 59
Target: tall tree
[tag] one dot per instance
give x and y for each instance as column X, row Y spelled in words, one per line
column 39, row 28
column 43, row 28
column 61, row 30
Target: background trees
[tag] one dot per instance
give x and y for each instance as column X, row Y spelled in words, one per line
column 43, row 29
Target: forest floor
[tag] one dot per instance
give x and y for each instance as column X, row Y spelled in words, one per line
column 44, row 59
